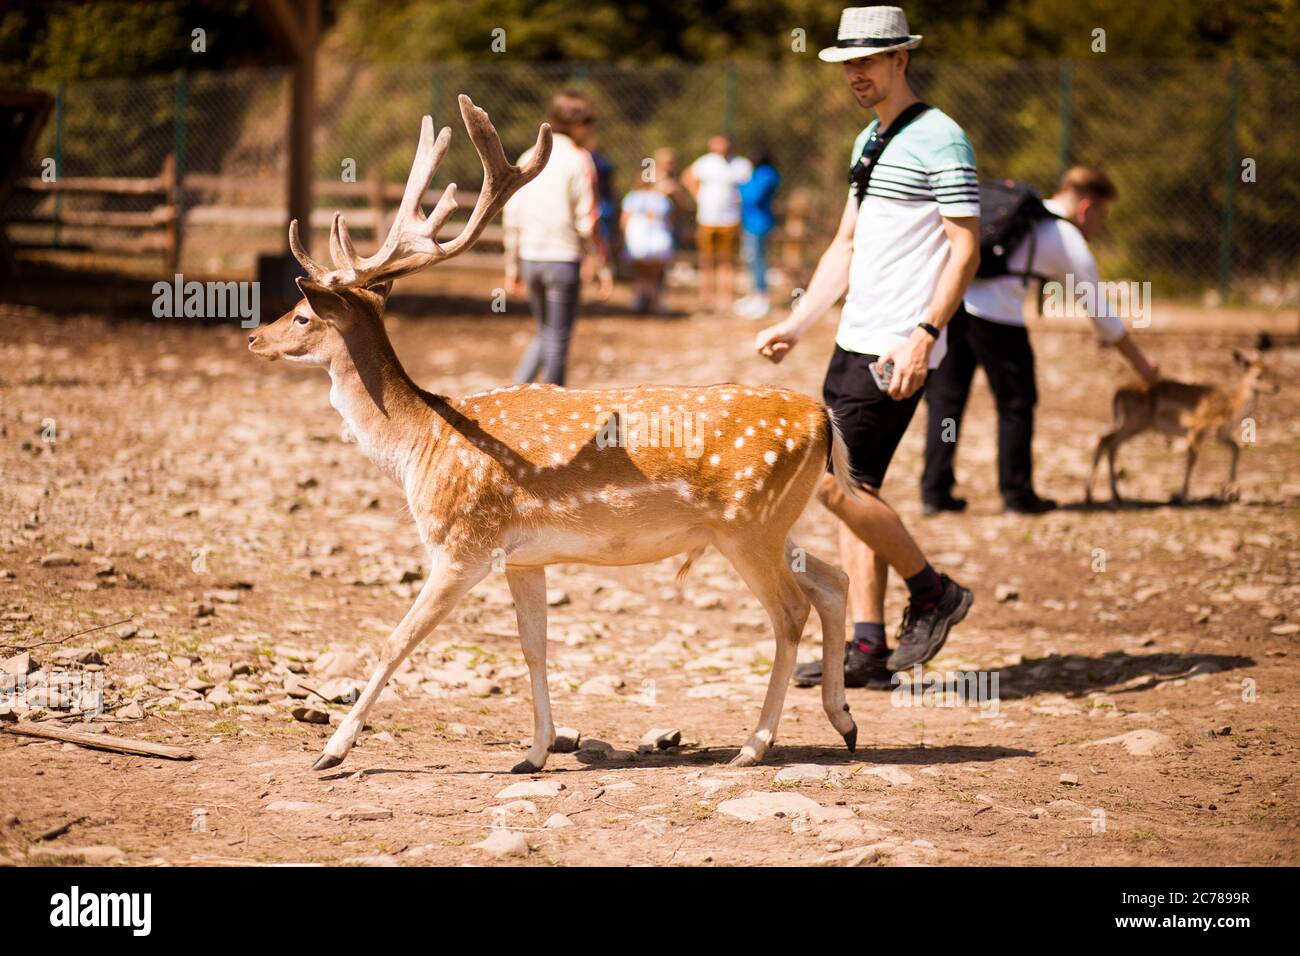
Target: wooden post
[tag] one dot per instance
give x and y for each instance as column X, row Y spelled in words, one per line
column 171, row 204
column 294, row 25
column 302, row 121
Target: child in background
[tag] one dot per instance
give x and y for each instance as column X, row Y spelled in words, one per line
column 757, row 221
column 648, row 239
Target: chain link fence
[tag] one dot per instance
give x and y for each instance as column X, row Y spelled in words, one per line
column 1209, row 208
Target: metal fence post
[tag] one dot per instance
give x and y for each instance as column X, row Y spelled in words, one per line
column 1229, row 186
column 58, row 158
column 1066, row 115
column 729, row 103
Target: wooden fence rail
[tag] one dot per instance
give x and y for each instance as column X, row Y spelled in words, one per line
column 368, row 204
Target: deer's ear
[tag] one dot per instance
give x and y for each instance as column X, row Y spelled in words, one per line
column 379, row 293
column 326, row 303
column 1240, row 357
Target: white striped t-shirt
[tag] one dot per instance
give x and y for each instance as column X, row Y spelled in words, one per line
column 925, row 173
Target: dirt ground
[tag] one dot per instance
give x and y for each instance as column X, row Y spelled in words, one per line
column 206, row 498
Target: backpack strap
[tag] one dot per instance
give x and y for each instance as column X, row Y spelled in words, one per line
column 860, row 174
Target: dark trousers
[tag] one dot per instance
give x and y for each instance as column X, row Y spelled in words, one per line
column 553, row 294
column 1003, row 351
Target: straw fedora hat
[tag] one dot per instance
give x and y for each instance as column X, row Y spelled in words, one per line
column 866, row 31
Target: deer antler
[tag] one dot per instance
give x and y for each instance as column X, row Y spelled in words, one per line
column 412, row 241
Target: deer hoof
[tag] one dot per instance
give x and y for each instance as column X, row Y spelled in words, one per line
column 851, row 739
column 326, row 761
column 525, row 766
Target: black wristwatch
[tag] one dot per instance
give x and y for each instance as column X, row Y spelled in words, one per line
column 934, row 333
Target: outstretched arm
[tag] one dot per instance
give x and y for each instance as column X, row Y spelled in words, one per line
column 829, row 282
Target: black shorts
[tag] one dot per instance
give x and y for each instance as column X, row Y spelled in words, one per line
column 871, row 422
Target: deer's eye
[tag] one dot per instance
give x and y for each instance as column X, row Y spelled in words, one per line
column 301, row 319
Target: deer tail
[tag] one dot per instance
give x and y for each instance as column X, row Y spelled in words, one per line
column 838, row 459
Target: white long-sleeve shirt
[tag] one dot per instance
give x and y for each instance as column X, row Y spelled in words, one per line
column 550, row 218
column 1059, row 250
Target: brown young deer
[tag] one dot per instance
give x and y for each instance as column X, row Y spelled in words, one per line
column 518, row 478
column 1195, row 412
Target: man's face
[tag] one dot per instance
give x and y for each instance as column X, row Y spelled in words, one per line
column 1090, row 214
column 872, row 78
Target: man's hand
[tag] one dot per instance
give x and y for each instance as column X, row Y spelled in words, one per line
column 911, row 364
column 514, row 284
column 1147, row 370
column 775, row 341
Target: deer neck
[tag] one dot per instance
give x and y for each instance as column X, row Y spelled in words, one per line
column 1244, row 399
column 377, row 399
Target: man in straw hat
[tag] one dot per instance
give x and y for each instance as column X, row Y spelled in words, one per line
column 906, row 249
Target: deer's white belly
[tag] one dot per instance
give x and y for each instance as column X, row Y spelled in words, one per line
column 609, row 545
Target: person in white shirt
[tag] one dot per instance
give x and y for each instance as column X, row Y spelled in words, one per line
column 990, row 333
column 906, row 249
column 714, row 181
column 549, row 225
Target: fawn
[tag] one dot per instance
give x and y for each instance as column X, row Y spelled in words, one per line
column 517, row 478
column 1193, row 411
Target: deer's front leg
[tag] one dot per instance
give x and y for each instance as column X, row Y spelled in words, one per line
column 1193, row 447
column 1230, row 490
column 528, row 588
column 446, row 585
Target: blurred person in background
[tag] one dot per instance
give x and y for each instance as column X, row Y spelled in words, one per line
column 550, row 225
column 714, row 183
column 757, row 221
column 648, row 241
column 606, row 203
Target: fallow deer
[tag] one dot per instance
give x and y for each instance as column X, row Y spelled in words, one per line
column 1194, row 412
column 522, row 477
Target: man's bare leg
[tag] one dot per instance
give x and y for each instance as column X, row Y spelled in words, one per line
column 868, row 576
column 878, row 526
column 707, row 280
column 885, row 542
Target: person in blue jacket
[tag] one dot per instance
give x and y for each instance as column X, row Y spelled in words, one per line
column 757, row 221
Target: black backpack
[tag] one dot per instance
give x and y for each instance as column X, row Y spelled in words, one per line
column 1009, row 210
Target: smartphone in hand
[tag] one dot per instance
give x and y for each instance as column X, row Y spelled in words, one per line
column 883, row 374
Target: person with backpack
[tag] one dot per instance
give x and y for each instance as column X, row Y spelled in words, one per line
column 906, row 248
column 1024, row 240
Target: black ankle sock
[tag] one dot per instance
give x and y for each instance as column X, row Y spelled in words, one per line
column 869, row 636
column 924, row 586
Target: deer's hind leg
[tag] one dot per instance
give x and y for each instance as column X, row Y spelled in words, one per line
column 1103, row 447
column 446, row 585
column 762, row 566
column 826, row 586
column 1193, row 449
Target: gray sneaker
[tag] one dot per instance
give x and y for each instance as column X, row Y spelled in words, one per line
column 925, row 629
